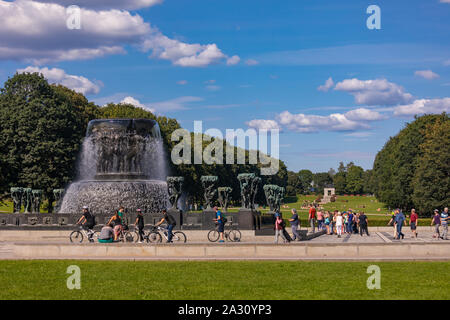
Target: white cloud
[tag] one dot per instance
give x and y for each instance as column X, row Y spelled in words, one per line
column 364, row 114
column 427, row 74
column 182, row 82
column 445, row 1
column 261, row 124
column 37, row 32
column 447, row 62
column 233, row 60
column 251, row 62
column 327, row 86
column 182, row 54
column 374, row 92
column 423, row 106
column 136, row 103
column 77, row 83
column 353, row 120
column 106, row 4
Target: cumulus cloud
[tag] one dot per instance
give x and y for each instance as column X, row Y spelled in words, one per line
column 426, row 74
column 77, row 83
column 233, row 60
column 374, row 92
column 353, row 120
column 445, row 1
column 327, row 86
column 136, row 103
column 183, row 54
column 106, row 4
column 423, row 106
column 262, row 124
column 37, row 32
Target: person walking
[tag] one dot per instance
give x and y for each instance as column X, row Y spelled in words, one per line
column 327, row 222
column 400, row 221
column 444, row 224
column 413, row 222
column 312, row 218
column 295, row 224
column 351, row 218
column 140, row 225
column 393, row 222
column 279, row 228
column 320, row 220
column 436, row 220
column 363, row 224
column 339, row 224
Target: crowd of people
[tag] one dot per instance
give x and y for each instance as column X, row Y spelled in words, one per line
column 355, row 222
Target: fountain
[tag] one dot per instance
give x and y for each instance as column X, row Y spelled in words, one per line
column 122, row 163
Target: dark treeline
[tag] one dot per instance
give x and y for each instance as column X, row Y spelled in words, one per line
column 42, row 127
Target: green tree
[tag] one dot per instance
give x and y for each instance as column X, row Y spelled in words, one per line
column 432, row 177
column 42, row 127
column 340, row 182
column 355, row 180
column 305, row 178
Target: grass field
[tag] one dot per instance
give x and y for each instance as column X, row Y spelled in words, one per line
column 223, row 280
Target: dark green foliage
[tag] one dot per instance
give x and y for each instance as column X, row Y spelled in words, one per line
column 41, row 127
column 396, row 165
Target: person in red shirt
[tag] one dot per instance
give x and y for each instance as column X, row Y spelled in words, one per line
column 312, row 218
column 413, row 221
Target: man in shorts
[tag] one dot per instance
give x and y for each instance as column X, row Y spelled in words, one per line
column 444, row 224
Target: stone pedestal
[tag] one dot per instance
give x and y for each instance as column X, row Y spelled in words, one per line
column 247, row 219
column 207, row 219
column 265, row 224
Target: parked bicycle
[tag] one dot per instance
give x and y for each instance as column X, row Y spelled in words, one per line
column 78, row 236
column 233, row 234
column 156, row 234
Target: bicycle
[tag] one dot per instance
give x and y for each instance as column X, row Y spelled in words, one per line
column 78, row 236
column 125, row 235
column 154, row 235
column 233, row 235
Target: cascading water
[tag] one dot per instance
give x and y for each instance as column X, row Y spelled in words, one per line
column 122, row 163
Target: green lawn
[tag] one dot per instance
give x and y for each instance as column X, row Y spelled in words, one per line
column 223, row 280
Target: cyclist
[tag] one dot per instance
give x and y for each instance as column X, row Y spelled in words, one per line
column 220, row 223
column 140, row 225
column 171, row 223
column 87, row 222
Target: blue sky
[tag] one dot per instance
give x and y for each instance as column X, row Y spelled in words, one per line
column 263, row 68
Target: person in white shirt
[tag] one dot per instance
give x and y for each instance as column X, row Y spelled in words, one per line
column 339, row 224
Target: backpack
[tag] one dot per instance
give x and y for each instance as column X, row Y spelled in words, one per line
column 224, row 218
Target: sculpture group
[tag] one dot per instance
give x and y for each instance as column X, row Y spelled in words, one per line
column 28, row 198
column 119, row 151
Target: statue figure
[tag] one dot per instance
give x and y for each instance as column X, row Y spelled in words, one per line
column 224, row 196
column 58, row 194
column 37, row 199
column 16, row 194
column 274, row 196
column 27, row 199
column 209, row 187
column 249, row 187
column 174, row 185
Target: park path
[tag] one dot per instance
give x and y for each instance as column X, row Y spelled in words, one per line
column 6, row 251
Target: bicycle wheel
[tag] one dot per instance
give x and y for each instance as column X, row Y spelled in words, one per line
column 234, row 235
column 213, row 235
column 179, row 237
column 76, row 237
column 128, row 237
column 135, row 236
column 154, row 237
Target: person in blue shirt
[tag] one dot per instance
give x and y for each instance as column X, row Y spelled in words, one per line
column 220, row 223
column 444, row 224
column 400, row 220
